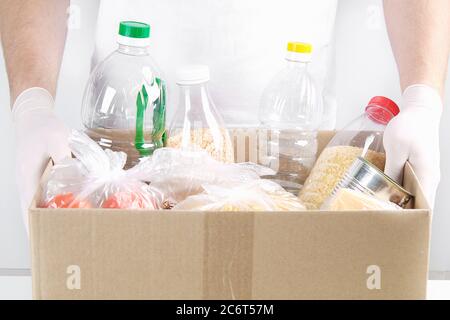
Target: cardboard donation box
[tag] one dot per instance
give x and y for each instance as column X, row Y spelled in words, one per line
column 138, row 254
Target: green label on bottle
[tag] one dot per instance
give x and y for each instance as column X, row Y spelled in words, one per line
column 158, row 135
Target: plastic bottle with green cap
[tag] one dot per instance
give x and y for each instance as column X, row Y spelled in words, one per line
column 124, row 104
column 290, row 114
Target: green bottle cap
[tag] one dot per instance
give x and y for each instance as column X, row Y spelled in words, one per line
column 134, row 29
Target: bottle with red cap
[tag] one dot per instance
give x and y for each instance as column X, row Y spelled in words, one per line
column 362, row 137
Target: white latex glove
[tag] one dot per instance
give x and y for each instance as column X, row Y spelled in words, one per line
column 413, row 135
column 40, row 135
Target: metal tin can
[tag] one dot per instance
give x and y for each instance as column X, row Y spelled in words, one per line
column 366, row 178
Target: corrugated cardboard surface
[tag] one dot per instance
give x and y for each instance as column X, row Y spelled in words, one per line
column 248, row 255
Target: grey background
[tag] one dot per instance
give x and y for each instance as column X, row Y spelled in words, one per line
column 364, row 65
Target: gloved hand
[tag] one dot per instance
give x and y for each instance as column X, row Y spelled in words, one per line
column 39, row 136
column 413, row 136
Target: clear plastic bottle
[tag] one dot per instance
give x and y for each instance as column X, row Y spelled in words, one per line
column 197, row 122
column 363, row 137
column 291, row 112
column 124, row 104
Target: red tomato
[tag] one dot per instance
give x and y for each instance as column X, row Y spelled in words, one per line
column 66, row 200
column 81, row 204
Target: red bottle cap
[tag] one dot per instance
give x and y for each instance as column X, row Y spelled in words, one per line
column 382, row 109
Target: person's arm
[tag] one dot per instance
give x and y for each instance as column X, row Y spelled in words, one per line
column 33, row 34
column 419, row 31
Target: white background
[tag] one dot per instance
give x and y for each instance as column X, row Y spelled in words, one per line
column 365, row 67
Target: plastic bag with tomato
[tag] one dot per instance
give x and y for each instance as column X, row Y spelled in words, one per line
column 95, row 178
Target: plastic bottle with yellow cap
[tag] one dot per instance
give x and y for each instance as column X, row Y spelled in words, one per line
column 290, row 113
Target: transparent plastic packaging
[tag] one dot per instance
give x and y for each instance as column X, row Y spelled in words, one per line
column 180, row 173
column 351, row 199
column 291, row 111
column 96, row 179
column 197, row 123
column 124, row 104
column 363, row 137
column 256, row 195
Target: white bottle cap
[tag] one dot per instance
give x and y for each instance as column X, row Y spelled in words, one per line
column 192, row 74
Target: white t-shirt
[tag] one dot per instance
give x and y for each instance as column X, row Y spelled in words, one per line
column 242, row 41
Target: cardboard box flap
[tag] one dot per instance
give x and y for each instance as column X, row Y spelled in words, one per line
column 412, row 184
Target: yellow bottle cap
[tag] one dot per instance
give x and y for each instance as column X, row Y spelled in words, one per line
column 299, row 47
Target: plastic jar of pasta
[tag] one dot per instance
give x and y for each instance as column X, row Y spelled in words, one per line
column 363, row 137
column 197, row 123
